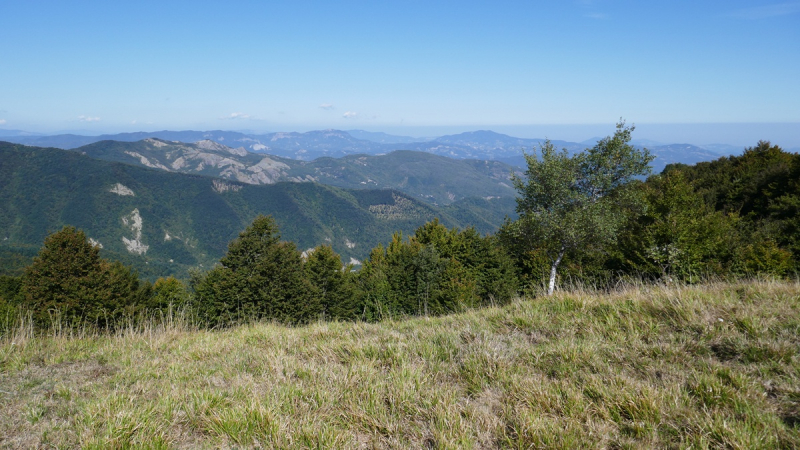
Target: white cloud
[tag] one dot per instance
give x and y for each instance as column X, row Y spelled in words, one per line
column 327, row 106
column 2, row 121
column 767, row 11
column 350, row 115
column 88, row 119
column 238, row 115
column 133, row 122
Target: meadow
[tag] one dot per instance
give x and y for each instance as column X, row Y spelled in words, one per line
column 641, row 366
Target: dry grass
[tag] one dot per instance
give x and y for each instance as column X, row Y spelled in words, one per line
column 714, row 366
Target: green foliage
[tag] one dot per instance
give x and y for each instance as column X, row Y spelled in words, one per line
column 169, row 293
column 762, row 188
column 332, row 283
column 483, row 260
column 9, row 289
column 69, row 282
column 436, row 271
column 746, row 184
column 576, row 203
column 259, row 277
column 9, row 308
column 679, row 235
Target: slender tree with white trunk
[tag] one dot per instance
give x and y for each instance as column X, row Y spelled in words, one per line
column 567, row 203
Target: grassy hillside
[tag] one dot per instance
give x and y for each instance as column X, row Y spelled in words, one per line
column 713, row 366
column 163, row 223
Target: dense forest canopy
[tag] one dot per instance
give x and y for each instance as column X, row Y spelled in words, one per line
column 737, row 216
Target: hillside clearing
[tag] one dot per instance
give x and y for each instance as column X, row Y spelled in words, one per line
column 704, row 366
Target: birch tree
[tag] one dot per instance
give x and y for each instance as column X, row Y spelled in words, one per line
column 567, row 203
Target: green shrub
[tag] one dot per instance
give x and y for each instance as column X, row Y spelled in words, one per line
column 436, row 271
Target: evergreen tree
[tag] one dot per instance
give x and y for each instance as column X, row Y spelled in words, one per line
column 332, row 284
column 259, row 277
column 68, row 279
column 480, row 259
column 436, row 271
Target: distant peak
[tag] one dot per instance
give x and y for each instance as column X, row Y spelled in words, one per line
column 207, row 144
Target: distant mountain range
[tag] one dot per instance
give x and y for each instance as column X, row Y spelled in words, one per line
column 165, row 223
column 434, row 179
column 483, row 145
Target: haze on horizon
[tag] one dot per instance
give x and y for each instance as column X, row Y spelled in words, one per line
column 714, row 72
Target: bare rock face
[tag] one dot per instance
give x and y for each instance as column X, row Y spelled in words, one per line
column 208, row 144
column 222, row 187
column 146, row 161
column 156, row 142
column 205, row 155
column 134, row 222
column 121, row 189
column 266, row 171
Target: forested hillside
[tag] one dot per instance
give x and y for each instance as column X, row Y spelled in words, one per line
column 164, row 223
column 437, row 180
column 583, row 218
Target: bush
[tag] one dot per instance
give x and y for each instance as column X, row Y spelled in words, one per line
column 436, row 271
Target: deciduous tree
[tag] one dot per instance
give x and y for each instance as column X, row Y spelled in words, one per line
column 572, row 202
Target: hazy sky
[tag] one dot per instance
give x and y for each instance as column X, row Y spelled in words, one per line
column 112, row 66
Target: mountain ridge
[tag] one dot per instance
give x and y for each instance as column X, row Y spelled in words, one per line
column 165, row 223
column 437, row 180
column 307, row 146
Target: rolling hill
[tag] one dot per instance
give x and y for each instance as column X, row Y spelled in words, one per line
column 434, row 179
column 165, row 223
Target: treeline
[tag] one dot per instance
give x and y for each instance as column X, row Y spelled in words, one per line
column 738, row 216
column 734, row 217
column 435, row 271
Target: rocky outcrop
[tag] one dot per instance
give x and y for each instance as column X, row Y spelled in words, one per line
column 121, row 189
column 134, row 222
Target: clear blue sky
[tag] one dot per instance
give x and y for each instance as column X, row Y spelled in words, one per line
column 405, row 67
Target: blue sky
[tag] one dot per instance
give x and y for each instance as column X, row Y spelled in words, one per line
column 406, row 67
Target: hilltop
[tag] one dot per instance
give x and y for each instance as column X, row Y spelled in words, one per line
column 642, row 367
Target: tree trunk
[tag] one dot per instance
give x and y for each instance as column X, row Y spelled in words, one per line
column 552, row 285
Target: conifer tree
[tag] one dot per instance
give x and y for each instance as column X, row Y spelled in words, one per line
column 69, row 280
column 331, row 283
column 259, row 277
